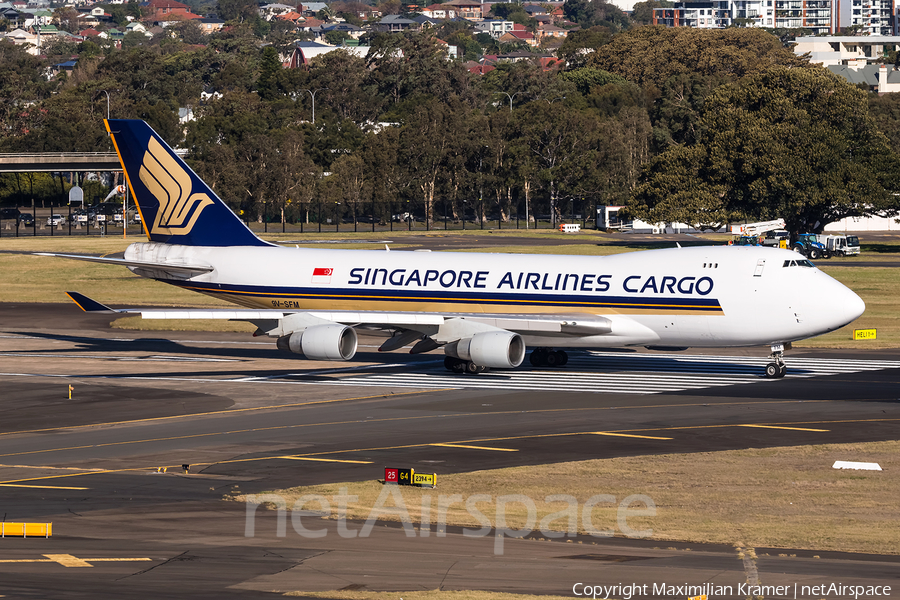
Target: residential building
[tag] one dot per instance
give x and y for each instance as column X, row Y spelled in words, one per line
column 847, row 50
column 439, row 11
column 467, row 9
column 311, row 9
column 701, row 15
column 210, row 25
column 306, row 51
column 168, row 11
column 494, row 28
column 396, row 23
column 814, row 15
column 519, row 36
column 869, row 17
column 270, row 11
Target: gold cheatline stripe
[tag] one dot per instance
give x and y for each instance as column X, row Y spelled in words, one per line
column 43, row 487
column 438, row 300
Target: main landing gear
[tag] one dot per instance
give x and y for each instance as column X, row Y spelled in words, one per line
column 458, row 365
column 548, row 357
column 777, row 368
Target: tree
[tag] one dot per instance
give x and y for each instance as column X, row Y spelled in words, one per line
column 269, row 66
column 792, row 143
column 652, row 55
column 589, row 13
column 240, row 10
column 642, row 12
column 581, row 43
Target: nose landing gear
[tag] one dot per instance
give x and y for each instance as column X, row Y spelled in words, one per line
column 776, row 369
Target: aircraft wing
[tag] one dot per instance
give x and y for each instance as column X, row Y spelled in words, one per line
column 182, row 270
column 425, row 323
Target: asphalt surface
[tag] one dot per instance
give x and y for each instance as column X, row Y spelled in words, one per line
column 248, row 419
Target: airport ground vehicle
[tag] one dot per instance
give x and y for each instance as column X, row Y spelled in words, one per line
column 809, row 246
column 775, row 238
column 841, row 245
column 747, row 240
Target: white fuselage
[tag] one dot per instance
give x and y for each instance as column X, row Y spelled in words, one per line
column 708, row 296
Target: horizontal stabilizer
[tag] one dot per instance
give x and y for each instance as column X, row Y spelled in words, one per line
column 188, row 270
column 88, row 305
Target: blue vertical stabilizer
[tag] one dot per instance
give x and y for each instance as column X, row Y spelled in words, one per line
column 176, row 206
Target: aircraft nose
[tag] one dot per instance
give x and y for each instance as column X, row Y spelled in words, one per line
column 847, row 305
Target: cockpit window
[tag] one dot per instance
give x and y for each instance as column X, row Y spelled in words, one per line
column 798, row 263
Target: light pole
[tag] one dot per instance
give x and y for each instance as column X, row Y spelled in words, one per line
column 107, row 103
column 510, row 98
column 312, row 94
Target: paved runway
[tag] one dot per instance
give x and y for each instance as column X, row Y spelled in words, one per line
column 250, row 419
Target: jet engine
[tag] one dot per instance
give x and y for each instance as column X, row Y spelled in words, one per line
column 321, row 342
column 495, row 349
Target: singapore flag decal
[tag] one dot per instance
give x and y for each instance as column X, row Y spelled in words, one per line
column 322, row 275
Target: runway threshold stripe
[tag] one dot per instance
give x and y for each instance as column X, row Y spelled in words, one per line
column 335, row 460
column 43, row 487
column 475, row 447
column 630, row 435
column 780, row 427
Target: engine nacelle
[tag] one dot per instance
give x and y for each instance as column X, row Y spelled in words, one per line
column 321, row 342
column 495, row 349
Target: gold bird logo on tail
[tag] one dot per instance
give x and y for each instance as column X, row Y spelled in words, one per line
column 171, row 185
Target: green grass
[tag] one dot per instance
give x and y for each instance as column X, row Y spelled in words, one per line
column 726, row 497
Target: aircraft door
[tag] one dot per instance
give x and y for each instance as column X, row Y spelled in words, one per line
column 760, row 265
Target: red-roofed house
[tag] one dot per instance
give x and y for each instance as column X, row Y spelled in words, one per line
column 169, row 10
column 291, row 16
column 519, row 36
column 86, row 33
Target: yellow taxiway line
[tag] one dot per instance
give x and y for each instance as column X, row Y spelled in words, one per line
column 43, row 487
column 67, row 560
column 336, row 460
column 475, row 447
column 781, row 427
column 630, row 435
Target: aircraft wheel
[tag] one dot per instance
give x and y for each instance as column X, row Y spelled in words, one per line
column 773, row 370
column 473, row 369
column 538, row 358
column 782, row 371
column 553, row 359
column 565, row 358
column 450, row 363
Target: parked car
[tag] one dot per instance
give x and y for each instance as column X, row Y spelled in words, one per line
column 26, row 219
column 9, row 213
column 55, row 220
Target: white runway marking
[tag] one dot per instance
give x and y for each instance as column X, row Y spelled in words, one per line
column 601, row 372
column 615, row 372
